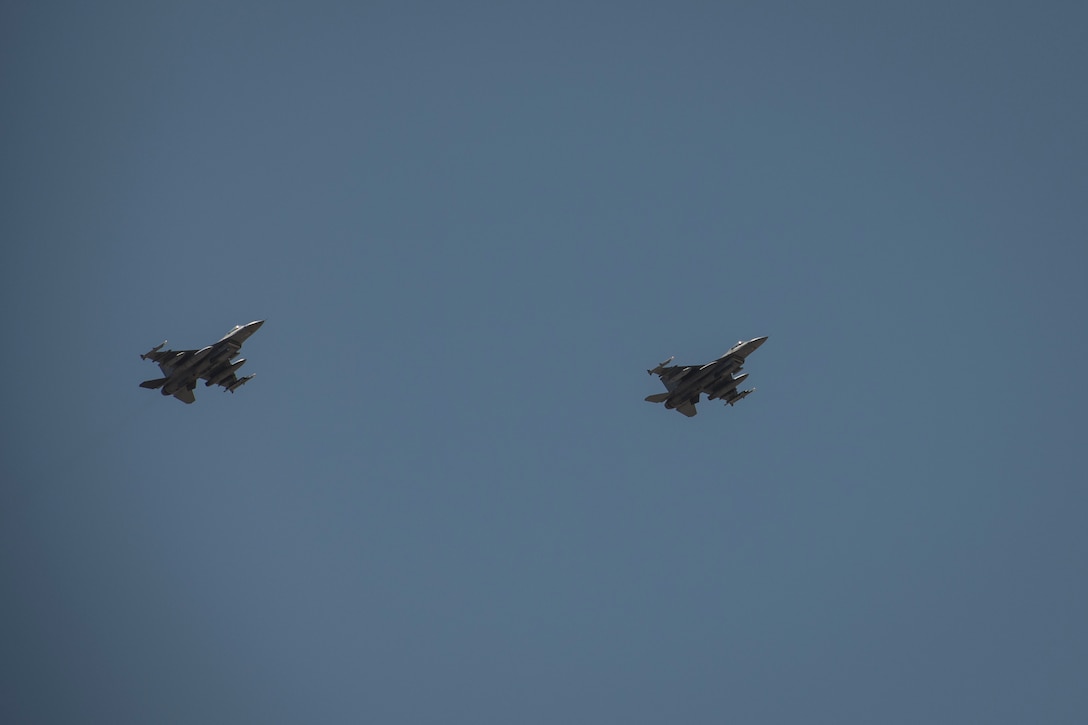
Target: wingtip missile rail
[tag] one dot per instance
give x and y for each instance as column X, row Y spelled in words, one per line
column 660, row 366
column 153, row 350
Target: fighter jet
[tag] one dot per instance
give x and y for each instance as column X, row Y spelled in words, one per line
column 183, row 368
column 686, row 383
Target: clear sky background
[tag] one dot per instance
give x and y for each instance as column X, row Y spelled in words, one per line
column 471, row 227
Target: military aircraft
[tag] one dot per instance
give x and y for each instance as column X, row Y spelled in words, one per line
column 183, row 368
column 686, row 383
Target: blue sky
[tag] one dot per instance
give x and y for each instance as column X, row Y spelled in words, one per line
column 471, row 227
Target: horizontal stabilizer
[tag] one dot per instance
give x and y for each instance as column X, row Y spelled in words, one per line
column 658, row 397
column 687, row 409
column 154, row 384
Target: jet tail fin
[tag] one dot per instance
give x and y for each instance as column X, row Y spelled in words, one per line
column 657, row 397
column 154, row 384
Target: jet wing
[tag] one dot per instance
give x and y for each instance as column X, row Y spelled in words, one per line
column 168, row 365
column 161, row 355
column 699, row 378
column 168, row 359
column 673, row 375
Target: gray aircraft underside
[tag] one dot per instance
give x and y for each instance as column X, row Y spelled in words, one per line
column 686, row 383
column 215, row 364
column 182, row 369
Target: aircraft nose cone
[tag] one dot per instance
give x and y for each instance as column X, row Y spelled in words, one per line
column 753, row 345
column 244, row 332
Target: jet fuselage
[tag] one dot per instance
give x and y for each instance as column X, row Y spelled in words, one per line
column 687, row 383
column 184, row 368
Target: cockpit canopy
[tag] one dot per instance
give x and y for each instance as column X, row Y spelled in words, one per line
column 230, row 332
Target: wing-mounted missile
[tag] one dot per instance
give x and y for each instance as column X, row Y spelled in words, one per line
column 240, row 382
column 660, row 366
column 153, row 350
column 223, row 373
column 727, row 386
column 739, row 396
